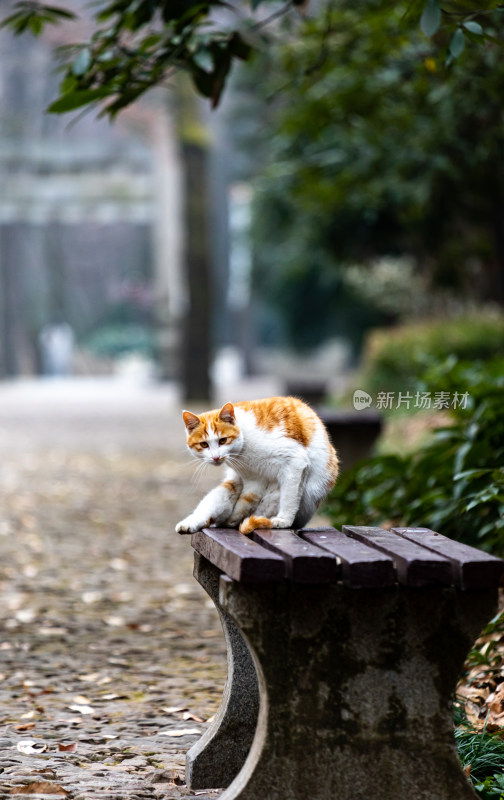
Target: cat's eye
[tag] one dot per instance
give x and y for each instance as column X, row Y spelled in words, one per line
column 223, row 440
column 203, row 444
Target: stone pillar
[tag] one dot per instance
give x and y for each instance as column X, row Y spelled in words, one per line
column 216, row 758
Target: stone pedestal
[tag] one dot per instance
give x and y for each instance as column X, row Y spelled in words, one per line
column 356, row 689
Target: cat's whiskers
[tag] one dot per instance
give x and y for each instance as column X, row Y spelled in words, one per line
column 237, row 464
column 186, row 466
column 199, row 472
column 234, row 462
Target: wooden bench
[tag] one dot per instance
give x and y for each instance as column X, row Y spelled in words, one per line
column 344, row 649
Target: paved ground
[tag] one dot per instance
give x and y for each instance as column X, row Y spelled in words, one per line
column 111, row 656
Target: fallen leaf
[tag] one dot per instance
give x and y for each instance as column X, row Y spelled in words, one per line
column 114, row 622
column 82, row 709
column 163, row 776
column 67, row 748
column 45, row 772
column 25, row 726
column 91, row 677
column 91, row 597
column 495, row 701
column 25, row 615
column 31, row 747
column 475, row 693
column 54, row 631
column 40, row 787
column 81, row 700
column 174, row 709
column 180, row 732
column 187, row 716
column 118, row 564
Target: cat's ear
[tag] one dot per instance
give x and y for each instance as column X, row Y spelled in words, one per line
column 191, row 420
column 227, row 414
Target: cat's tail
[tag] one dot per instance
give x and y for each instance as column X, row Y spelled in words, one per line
column 252, row 523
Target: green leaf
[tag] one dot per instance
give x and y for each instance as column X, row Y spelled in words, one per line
column 150, row 41
column 33, row 17
column 238, row 47
column 36, row 25
column 473, row 27
column 82, row 62
column 471, row 473
column 457, row 43
column 203, row 59
column 73, row 100
column 56, row 11
column 68, row 84
column 431, row 18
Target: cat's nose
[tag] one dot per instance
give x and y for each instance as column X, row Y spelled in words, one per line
column 216, row 459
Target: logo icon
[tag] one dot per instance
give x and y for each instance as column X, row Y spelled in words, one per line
column 361, row 399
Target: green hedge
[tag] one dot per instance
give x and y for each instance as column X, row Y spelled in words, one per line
column 396, row 358
column 454, row 484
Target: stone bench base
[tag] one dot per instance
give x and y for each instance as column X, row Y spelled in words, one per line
column 356, row 691
column 344, row 651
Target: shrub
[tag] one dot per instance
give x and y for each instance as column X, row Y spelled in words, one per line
column 453, row 484
column 483, row 754
column 396, row 358
column 480, row 745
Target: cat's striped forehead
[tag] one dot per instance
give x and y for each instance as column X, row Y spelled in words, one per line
column 211, row 426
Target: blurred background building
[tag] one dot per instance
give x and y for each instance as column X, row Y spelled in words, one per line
column 95, row 235
column 77, row 212
column 91, row 226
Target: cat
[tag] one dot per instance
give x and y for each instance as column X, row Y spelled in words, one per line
column 280, row 464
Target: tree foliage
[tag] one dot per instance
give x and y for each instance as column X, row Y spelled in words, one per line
column 385, row 144
column 137, row 44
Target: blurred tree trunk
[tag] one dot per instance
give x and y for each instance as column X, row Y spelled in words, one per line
column 197, row 338
column 169, row 277
column 8, row 361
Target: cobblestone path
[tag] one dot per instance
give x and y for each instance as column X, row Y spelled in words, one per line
column 111, row 656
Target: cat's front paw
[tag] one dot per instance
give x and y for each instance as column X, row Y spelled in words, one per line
column 190, row 524
column 281, row 522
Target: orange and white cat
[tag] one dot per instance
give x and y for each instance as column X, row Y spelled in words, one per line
column 280, row 464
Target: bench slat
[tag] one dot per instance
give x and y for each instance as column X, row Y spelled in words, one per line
column 472, row 568
column 361, row 566
column 304, row 562
column 415, row 566
column 238, row 556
